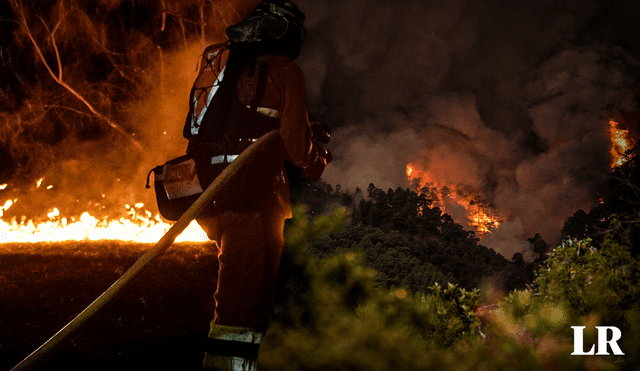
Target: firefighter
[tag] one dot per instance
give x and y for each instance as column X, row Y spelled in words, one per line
column 244, row 90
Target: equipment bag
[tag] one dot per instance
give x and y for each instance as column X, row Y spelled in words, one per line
column 176, row 185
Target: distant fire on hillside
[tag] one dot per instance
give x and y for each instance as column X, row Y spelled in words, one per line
column 620, row 143
column 478, row 215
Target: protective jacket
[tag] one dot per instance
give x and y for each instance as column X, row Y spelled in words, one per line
column 250, row 101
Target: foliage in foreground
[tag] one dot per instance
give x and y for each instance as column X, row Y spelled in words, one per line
column 584, row 286
column 333, row 315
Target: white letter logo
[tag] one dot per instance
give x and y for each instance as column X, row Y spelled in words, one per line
column 578, row 349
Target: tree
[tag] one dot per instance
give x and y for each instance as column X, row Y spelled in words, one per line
column 618, row 213
column 576, row 225
column 399, row 235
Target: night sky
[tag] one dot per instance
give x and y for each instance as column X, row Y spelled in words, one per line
column 510, row 100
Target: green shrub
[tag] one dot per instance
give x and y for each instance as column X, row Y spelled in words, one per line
column 334, row 316
column 581, row 286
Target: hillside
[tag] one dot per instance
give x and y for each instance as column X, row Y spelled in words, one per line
column 408, row 241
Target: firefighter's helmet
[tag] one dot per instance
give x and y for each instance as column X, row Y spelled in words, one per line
column 272, row 20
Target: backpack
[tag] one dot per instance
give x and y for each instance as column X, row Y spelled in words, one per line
column 219, row 127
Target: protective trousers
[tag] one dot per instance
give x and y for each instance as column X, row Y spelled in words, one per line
column 250, row 245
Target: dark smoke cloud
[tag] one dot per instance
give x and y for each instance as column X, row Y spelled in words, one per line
column 509, row 99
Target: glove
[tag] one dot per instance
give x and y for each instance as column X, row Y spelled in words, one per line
column 314, row 171
column 325, row 154
column 321, row 132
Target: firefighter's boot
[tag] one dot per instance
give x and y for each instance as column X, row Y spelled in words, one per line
column 232, row 348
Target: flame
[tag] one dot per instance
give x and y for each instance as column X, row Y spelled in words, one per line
column 409, row 170
column 481, row 221
column 478, row 217
column 620, row 143
column 6, row 206
column 139, row 226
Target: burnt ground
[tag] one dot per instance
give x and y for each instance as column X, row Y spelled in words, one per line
column 159, row 321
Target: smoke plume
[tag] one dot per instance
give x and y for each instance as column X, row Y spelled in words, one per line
column 511, row 101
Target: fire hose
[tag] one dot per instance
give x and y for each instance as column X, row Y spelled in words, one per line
column 219, row 186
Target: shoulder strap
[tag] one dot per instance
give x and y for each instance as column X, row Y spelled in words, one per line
column 210, row 56
column 260, row 88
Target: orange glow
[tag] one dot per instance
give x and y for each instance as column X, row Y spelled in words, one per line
column 620, row 143
column 417, row 174
column 140, row 226
column 478, row 217
column 482, row 222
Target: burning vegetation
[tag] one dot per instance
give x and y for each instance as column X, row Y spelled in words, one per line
column 478, row 216
column 620, row 143
column 137, row 224
column 139, row 227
